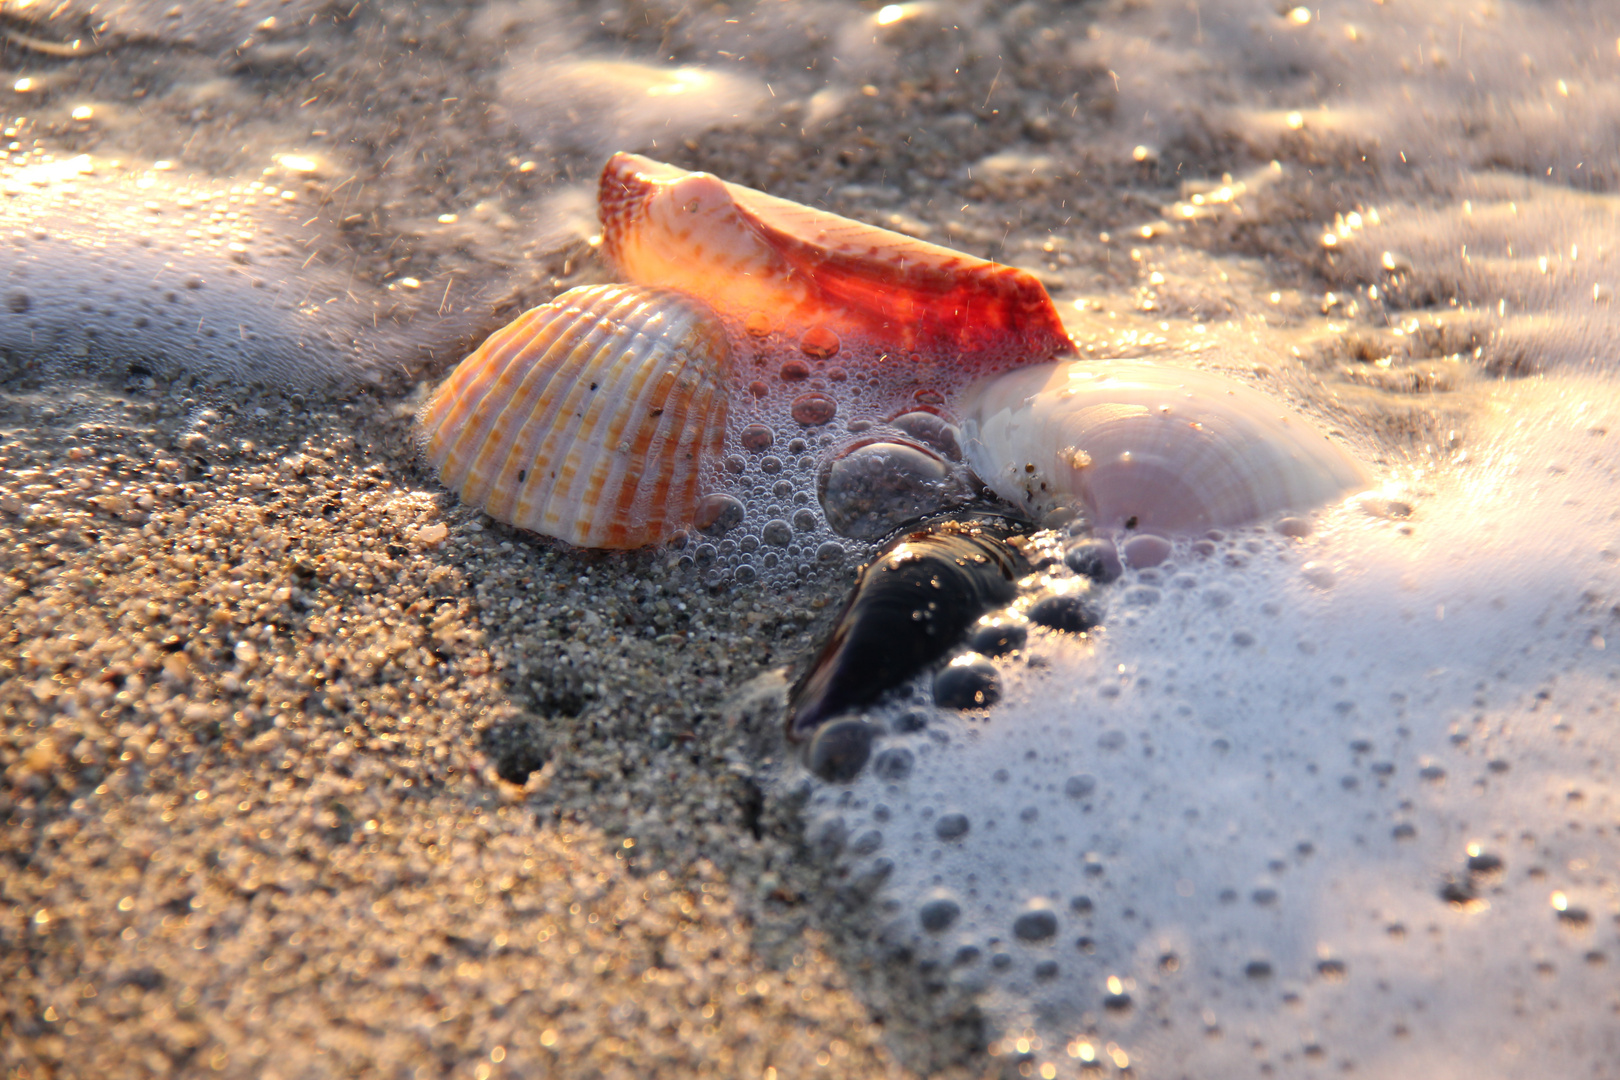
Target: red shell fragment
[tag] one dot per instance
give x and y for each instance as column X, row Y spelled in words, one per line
column 745, row 252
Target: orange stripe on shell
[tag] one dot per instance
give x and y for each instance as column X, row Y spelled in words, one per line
column 579, row 419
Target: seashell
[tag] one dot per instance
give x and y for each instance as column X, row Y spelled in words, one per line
column 910, row 606
column 591, row 419
column 770, row 262
column 1144, row 446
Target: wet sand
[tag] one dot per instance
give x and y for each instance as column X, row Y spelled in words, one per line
column 309, row 771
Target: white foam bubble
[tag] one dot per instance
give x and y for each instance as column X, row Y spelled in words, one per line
column 197, row 23
column 112, row 264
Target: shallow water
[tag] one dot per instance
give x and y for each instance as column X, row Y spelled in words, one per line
column 1352, row 799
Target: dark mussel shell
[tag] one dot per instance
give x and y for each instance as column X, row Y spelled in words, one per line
column 910, row 606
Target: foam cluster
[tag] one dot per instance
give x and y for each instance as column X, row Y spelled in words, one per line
column 1528, row 263
column 832, row 444
column 204, row 24
column 1417, row 86
column 113, row 264
column 1214, row 827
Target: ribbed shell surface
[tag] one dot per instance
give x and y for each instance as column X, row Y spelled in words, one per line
column 590, row 419
column 1146, row 446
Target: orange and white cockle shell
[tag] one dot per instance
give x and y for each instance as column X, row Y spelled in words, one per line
column 765, row 260
column 593, row 418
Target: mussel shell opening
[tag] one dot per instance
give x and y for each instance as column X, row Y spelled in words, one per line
column 912, row 605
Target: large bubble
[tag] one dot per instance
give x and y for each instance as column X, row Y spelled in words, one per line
column 875, row 487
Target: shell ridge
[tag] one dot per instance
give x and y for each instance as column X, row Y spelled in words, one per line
column 554, row 421
column 701, row 442
column 554, row 372
column 565, row 364
column 692, row 413
column 702, row 396
column 524, row 360
column 469, row 429
column 672, row 400
column 625, row 182
column 573, row 493
column 447, row 404
column 453, row 403
column 635, row 389
column 673, row 414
